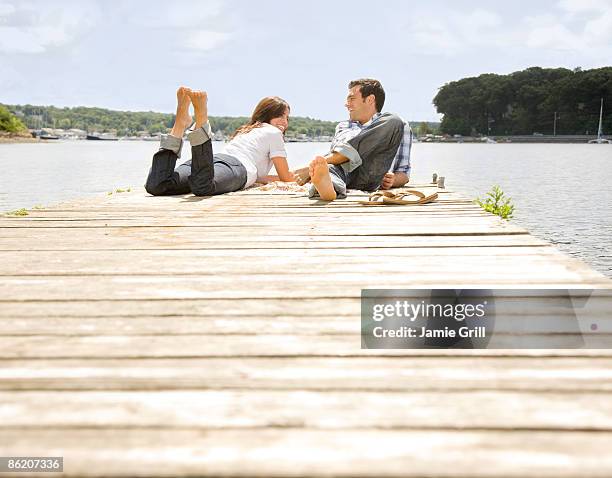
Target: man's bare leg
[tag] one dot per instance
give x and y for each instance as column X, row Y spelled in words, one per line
column 321, row 180
column 199, row 99
column 302, row 175
column 183, row 120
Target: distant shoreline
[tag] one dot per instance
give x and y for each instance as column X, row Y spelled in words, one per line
column 522, row 139
column 11, row 139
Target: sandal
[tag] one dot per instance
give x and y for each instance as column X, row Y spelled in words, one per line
column 383, row 198
column 377, row 198
column 397, row 198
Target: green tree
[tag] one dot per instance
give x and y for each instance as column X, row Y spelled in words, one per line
column 423, row 128
column 10, row 123
column 527, row 101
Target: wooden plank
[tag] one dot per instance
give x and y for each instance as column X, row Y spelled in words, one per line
column 303, row 452
column 247, row 213
column 250, row 210
column 172, row 308
column 547, row 321
column 354, row 225
column 263, row 261
column 272, row 285
column 285, row 345
column 274, row 207
column 451, row 228
column 587, row 374
column 254, row 211
column 72, row 261
column 226, row 409
column 184, row 240
column 220, row 308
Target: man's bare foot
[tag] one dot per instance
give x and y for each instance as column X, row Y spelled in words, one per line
column 183, row 119
column 319, row 175
column 302, row 175
column 200, row 107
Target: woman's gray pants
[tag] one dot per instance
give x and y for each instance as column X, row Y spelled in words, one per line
column 204, row 175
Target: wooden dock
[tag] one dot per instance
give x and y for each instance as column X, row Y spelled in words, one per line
column 185, row 336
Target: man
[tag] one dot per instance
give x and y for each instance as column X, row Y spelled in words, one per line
column 364, row 150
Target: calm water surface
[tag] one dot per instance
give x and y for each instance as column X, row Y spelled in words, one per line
column 562, row 193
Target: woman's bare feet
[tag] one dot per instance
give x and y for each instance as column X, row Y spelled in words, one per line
column 183, row 119
column 199, row 99
column 319, row 175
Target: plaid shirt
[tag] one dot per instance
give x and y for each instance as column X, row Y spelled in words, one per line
column 347, row 130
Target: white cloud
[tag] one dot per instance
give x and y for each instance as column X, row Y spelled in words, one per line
column 590, row 37
column 546, row 32
column 10, row 79
column 32, row 40
column 456, row 31
column 581, row 29
column 582, row 6
column 434, row 37
column 178, row 14
column 204, row 40
column 480, row 19
column 5, row 10
column 35, row 26
column 599, row 30
column 191, row 26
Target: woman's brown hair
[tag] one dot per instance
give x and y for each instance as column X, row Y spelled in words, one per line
column 267, row 109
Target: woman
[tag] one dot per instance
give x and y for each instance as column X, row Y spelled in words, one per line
column 248, row 156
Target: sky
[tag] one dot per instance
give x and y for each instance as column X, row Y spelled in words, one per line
column 132, row 55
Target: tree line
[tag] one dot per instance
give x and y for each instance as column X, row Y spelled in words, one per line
column 535, row 100
column 130, row 123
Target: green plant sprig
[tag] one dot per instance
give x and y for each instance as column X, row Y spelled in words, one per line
column 496, row 202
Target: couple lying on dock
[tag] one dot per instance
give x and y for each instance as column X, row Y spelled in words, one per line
column 370, row 151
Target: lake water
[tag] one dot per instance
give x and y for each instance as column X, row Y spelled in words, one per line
column 562, row 193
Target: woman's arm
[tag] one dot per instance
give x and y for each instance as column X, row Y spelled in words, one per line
column 268, row 179
column 282, row 168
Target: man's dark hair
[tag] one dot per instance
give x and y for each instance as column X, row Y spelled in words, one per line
column 370, row 86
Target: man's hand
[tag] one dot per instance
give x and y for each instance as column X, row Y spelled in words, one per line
column 302, row 176
column 387, row 182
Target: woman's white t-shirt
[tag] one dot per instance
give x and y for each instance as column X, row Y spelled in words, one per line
column 256, row 149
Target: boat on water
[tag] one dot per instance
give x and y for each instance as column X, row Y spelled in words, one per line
column 43, row 135
column 600, row 139
column 101, row 137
